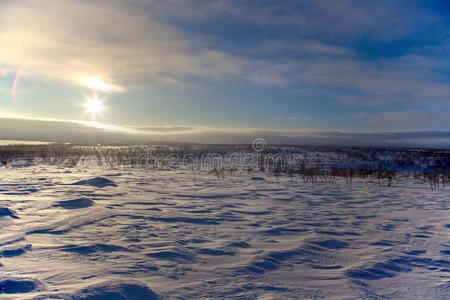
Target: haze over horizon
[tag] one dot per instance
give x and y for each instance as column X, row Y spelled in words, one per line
column 300, row 72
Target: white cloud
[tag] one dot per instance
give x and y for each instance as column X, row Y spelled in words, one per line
column 68, row 40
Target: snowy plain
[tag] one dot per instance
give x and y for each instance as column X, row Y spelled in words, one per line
column 94, row 233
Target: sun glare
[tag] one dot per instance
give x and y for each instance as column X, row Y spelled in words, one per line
column 94, row 106
column 97, row 83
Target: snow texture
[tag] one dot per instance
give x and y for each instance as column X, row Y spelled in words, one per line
column 88, row 233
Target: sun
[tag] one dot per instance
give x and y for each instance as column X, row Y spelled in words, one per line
column 94, row 106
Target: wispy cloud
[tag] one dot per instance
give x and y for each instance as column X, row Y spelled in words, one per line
column 406, row 79
column 293, row 119
column 406, row 119
column 303, row 47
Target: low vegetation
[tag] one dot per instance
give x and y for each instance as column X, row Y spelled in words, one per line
column 310, row 164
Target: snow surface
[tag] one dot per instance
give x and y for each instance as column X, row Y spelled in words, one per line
column 88, row 233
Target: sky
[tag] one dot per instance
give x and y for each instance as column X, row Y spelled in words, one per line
column 322, row 71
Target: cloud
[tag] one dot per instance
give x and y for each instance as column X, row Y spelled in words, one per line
column 70, row 40
column 97, row 83
column 299, row 47
column 119, row 45
column 163, row 129
column 379, row 20
column 293, row 119
column 406, row 119
column 413, row 79
column 92, row 132
column 307, row 44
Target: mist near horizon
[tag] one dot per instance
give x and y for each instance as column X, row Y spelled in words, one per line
column 94, row 133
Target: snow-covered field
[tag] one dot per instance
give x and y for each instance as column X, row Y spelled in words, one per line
column 91, row 233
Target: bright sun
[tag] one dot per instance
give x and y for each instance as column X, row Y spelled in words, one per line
column 94, row 106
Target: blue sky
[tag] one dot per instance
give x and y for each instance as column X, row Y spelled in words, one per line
column 234, row 66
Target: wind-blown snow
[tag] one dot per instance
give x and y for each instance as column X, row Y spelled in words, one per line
column 149, row 234
column 75, row 203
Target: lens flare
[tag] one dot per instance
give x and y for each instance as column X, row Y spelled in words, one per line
column 15, row 85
